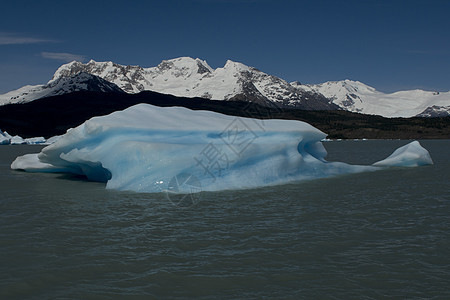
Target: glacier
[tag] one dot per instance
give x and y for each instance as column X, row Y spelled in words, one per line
column 145, row 148
column 358, row 97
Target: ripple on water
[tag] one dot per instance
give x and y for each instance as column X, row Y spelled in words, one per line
column 370, row 235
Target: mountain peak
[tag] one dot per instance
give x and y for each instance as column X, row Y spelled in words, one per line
column 186, row 63
column 80, row 81
column 63, row 71
column 236, row 66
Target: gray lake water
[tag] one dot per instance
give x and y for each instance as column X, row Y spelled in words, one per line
column 383, row 234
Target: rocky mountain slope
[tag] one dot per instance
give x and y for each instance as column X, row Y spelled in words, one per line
column 59, row 113
column 81, row 81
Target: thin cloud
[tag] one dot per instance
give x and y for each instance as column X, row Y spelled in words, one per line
column 61, row 56
column 12, row 39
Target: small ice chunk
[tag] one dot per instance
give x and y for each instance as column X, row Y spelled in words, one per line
column 5, row 138
column 35, row 140
column 410, row 155
column 17, row 140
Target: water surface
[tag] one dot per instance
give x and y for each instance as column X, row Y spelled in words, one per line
column 368, row 235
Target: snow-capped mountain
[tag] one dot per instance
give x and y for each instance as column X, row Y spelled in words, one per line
column 62, row 85
column 435, row 111
column 188, row 77
column 358, row 97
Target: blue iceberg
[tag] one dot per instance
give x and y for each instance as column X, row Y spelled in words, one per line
column 147, row 148
column 410, row 155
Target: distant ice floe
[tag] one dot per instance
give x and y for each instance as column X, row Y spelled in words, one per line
column 153, row 149
column 7, row 139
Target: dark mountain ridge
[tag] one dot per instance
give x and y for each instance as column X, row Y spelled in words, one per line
column 54, row 115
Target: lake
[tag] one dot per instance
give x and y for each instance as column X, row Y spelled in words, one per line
column 368, row 235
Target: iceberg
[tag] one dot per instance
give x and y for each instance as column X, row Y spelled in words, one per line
column 7, row 139
column 146, row 148
column 410, row 155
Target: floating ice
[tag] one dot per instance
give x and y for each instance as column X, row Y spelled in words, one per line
column 7, row 139
column 410, row 155
column 150, row 149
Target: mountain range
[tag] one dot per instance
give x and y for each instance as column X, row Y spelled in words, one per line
column 189, row 78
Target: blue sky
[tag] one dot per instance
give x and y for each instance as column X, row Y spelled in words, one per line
column 390, row 45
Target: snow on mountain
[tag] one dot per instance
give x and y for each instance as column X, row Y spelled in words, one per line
column 58, row 86
column 188, row 77
column 358, row 97
column 435, row 111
